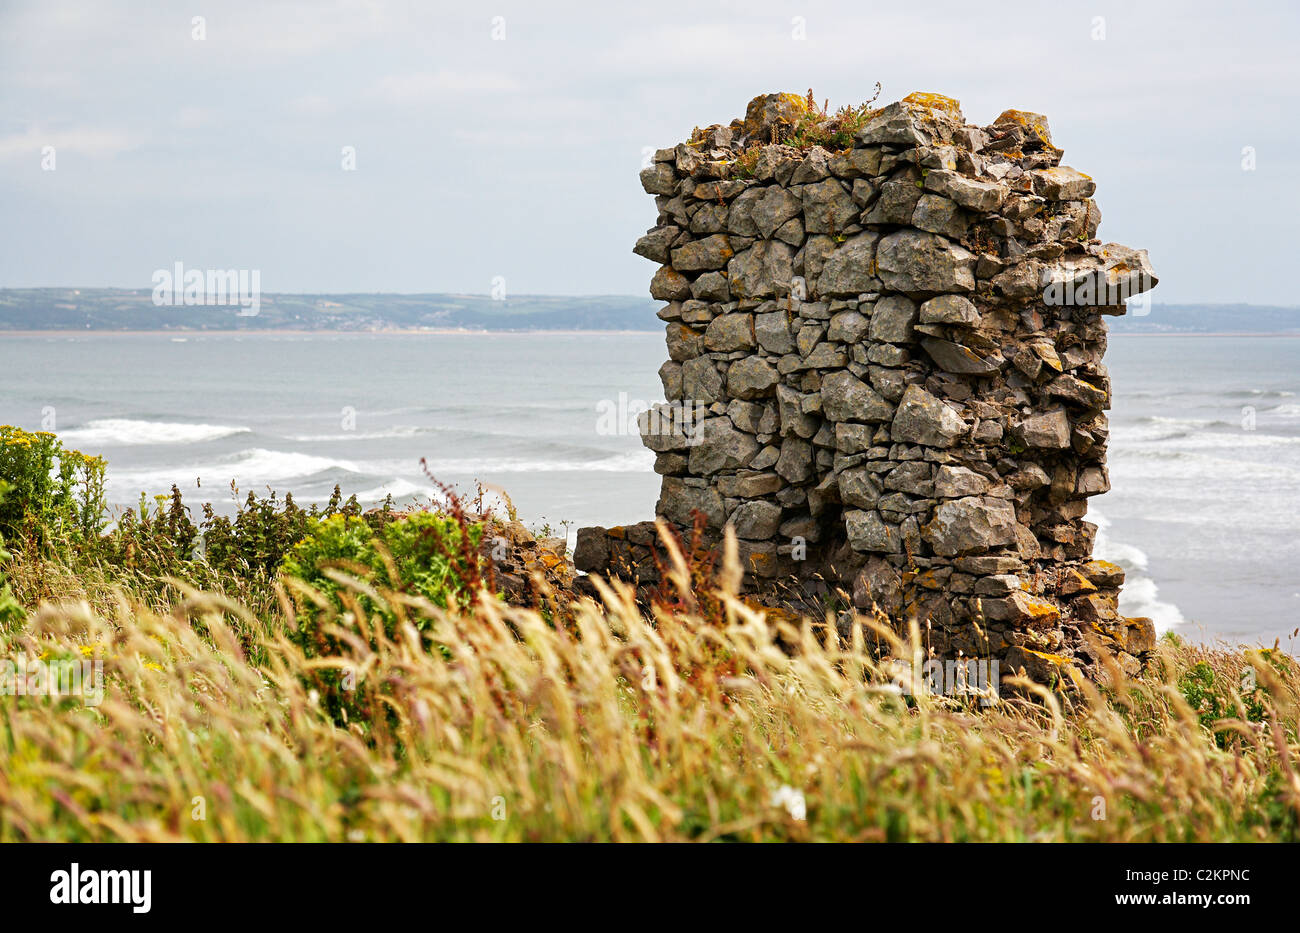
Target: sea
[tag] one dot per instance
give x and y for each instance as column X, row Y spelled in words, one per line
column 1203, row 514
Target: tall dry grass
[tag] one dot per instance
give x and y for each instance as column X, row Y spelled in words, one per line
column 614, row 725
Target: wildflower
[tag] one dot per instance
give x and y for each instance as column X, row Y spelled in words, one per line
column 792, row 800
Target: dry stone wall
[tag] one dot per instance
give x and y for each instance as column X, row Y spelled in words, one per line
column 885, row 373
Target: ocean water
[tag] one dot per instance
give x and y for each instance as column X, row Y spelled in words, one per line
column 1204, row 454
column 1204, row 507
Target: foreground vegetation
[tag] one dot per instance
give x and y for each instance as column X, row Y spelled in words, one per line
column 333, row 676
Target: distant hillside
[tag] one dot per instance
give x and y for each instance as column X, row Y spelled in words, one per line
column 1210, row 319
column 110, row 309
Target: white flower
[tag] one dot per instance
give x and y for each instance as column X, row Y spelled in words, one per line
column 792, row 800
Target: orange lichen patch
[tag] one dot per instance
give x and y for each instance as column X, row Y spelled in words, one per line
column 552, row 561
column 928, row 580
column 1019, row 117
column 1047, row 353
column 1140, row 634
column 773, row 108
column 948, row 105
column 618, row 532
column 1103, row 572
column 773, row 613
column 1035, row 123
column 1064, row 665
column 1050, row 658
column 1037, row 611
column 1073, row 582
column 761, row 563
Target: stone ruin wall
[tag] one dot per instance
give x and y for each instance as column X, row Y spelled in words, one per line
column 886, row 375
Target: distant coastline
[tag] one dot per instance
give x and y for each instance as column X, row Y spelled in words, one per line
column 284, row 332
column 463, row 332
column 48, row 312
column 1182, row 333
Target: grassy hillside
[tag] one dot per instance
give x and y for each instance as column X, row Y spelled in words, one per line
column 338, row 676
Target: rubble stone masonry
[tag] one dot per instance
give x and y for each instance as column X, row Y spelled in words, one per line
column 885, row 373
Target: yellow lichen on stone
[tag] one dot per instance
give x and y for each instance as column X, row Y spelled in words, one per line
column 1075, row 582
column 773, row 613
column 1039, row 610
column 1139, row 635
column 1058, row 174
column 1052, row 658
column 1018, row 117
column 767, row 109
column 929, row 580
column 948, row 105
column 1030, row 121
column 760, row 562
column 1064, row 665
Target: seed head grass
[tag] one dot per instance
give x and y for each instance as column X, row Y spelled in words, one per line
column 616, row 722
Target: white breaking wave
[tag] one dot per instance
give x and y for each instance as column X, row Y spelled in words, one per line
column 640, row 461
column 1142, row 468
column 1138, row 595
column 1170, row 436
column 1126, row 555
column 400, row 431
column 398, row 489
column 1139, row 598
column 129, row 432
column 256, row 467
column 402, row 490
column 247, row 468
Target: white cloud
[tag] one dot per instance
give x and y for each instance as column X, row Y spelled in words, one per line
column 91, row 142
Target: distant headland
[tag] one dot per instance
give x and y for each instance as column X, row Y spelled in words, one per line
column 123, row 310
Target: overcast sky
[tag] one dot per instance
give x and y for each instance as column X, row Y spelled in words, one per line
column 479, row 157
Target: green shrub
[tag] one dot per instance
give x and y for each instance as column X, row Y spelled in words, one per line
column 419, row 554
column 164, row 540
column 263, row 530
column 55, row 492
column 11, row 611
column 1213, row 700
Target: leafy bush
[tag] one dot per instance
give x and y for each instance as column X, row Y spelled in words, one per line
column 1213, row 699
column 263, row 531
column 55, row 492
column 250, row 545
column 419, row 554
column 11, row 611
